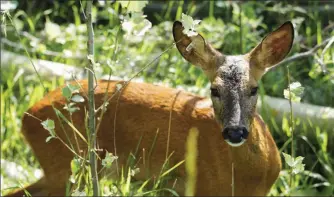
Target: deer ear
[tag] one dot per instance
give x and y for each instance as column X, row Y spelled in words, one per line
column 273, row 48
column 194, row 48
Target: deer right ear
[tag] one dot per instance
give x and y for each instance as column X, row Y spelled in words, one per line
column 194, row 48
column 273, row 48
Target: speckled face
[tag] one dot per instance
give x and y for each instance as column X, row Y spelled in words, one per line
column 234, row 78
column 234, row 93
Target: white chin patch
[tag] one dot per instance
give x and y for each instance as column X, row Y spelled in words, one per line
column 235, row 144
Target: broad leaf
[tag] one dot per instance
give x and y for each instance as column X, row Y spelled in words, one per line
column 189, row 25
column 77, row 98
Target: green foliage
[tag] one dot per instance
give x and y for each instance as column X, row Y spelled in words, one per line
column 77, row 98
column 134, row 6
column 108, row 160
column 189, row 25
column 126, row 40
column 294, row 92
column 71, row 108
column 68, row 90
column 295, row 163
column 19, row 92
column 49, row 125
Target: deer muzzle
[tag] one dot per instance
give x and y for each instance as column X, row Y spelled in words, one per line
column 235, row 135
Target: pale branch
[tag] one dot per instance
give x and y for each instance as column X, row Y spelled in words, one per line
column 298, row 56
column 321, row 63
column 45, row 68
column 15, row 45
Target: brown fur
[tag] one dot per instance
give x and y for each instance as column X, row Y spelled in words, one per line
column 143, row 109
column 273, row 49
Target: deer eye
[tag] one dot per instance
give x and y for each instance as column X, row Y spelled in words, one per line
column 214, row 92
column 254, row 91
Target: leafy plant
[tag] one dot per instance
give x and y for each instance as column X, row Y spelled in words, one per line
column 126, row 40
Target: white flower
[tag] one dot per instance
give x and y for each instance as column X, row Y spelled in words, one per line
column 189, row 25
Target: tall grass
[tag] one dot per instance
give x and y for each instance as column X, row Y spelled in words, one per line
column 19, row 91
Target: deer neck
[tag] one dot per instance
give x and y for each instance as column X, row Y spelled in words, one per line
column 251, row 156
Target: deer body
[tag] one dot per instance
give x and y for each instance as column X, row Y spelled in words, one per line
column 142, row 109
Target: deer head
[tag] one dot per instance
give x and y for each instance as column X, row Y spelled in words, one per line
column 234, row 78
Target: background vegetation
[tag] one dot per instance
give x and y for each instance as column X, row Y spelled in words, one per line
column 126, row 40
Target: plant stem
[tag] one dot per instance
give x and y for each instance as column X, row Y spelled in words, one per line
column 291, row 124
column 211, row 9
column 240, row 33
column 91, row 102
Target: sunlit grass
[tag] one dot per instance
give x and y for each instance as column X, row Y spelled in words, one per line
column 19, row 92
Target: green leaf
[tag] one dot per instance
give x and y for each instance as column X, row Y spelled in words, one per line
column 174, row 193
column 296, row 92
column 71, row 108
column 299, row 167
column 66, row 92
column 323, row 140
column 74, row 88
column 108, row 160
column 72, row 178
column 90, row 57
column 140, row 190
column 295, row 163
column 79, row 193
column 136, row 26
column 70, row 89
column 8, row 5
column 172, row 168
column 286, row 127
column 134, row 171
column 118, row 86
column 298, row 160
column 189, row 25
column 297, row 88
column 52, row 30
column 133, row 6
column 59, row 114
column 75, row 165
column 288, row 159
column 77, row 98
column 49, row 125
column 48, row 139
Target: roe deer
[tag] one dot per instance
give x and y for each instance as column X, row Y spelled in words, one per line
column 230, row 130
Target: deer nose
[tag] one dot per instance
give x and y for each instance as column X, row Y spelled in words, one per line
column 235, row 135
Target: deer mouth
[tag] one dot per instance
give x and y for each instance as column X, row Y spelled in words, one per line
column 235, row 136
column 233, row 144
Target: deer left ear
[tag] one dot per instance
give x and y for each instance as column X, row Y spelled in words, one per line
column 195, row 49
column 273, row 48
